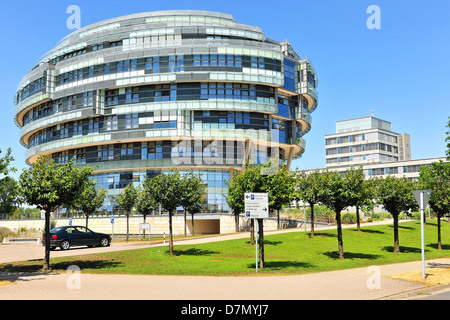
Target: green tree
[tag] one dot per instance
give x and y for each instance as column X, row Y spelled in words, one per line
column 145, row 202
column 395, row 195
column 194, row 191
column 247, row 180
column 48, row 185
column 127, row 199
column 338, row 193
column 437, row 179
column 308, row 189
column 9, row 191
column 89, row 199
column 280, row 187
column 166, row 188
column 235, row 198
column 277, row 184
column 361, row 191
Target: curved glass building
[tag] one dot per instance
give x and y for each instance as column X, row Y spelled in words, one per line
column 139, row 94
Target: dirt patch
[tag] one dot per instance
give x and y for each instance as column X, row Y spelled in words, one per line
column 433, row 276
column 4, row 282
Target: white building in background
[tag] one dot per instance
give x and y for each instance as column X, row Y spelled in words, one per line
column 366, row 140
column 370, row 142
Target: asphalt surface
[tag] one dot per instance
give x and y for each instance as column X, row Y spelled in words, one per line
column 353, row 284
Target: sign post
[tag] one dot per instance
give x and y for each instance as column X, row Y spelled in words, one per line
column 256, row 207
column 422, row 198
column 256, row 252
column 112, row 225
column 142, row 227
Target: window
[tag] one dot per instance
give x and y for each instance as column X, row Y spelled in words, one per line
column 162, row 93
column 131, row 121
column 127, row 65
column 126, row 150
column 152, row 64
column 112, row 97
column 77, row 128
column 132, row 95
column 80, row 156
column 94, row 125
column 105, row 153
column 71, row 102
column 110, row 123
column 115, row 44
column 88, row 99
column 106, row 69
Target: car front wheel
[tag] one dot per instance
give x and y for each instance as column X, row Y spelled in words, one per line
column 104, row 242
column 65, row 245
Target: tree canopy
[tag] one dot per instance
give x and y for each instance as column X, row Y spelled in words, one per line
column 395, row 195
column 89, row 198
column 9, row 191
column 127, row 199
column 48, row 185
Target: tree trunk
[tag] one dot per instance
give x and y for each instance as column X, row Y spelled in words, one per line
column 312, row 220
column 193, row 233
column 339, row 232
column 236, row 220
column 128, row 225
column 143, row 231
column 439, row 232
column 278, row 219
column 185, row 223
column 252, row 232
column 47, row 242
column 396, row 242
column 357, row 218
column 170, row 235
column 261, row 242
column 87, row 220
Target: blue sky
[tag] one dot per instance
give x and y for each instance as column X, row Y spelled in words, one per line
column 401, row 71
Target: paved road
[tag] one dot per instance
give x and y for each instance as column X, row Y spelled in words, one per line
column 336, row 285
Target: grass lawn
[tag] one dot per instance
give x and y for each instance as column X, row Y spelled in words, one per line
column 287, row 253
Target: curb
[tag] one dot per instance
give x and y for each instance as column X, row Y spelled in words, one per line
column 415, row 292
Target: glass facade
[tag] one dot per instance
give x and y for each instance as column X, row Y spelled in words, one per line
column 180, row 90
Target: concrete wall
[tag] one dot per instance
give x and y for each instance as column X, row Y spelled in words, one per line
column 213, row 224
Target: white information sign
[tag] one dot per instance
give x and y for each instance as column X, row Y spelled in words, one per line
column 256, row 205
column 142, row 228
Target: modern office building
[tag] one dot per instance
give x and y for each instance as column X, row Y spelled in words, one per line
column 194, row 90
column 370, row 142
column 364, row 141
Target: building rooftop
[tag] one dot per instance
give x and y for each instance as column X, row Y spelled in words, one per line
column 362, row 123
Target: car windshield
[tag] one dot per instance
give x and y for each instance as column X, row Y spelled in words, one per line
column 55, row 230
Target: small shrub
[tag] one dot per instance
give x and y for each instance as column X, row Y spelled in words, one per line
column 349, row 218
column 377, row 217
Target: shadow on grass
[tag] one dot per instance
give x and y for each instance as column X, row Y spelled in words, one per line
column 404, row 249
column 280, row 265
column 267, row 242
column 400, row 226
column 352, row 255
column 435, row 246
column 323, row 234
column 363, row 230
column 193, row 252
column 272, row 243
column 20, row 272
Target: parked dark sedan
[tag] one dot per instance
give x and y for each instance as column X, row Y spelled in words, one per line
column 72, row 236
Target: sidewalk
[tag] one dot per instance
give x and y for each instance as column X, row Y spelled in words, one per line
column 335, row 285
column 353, row 284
